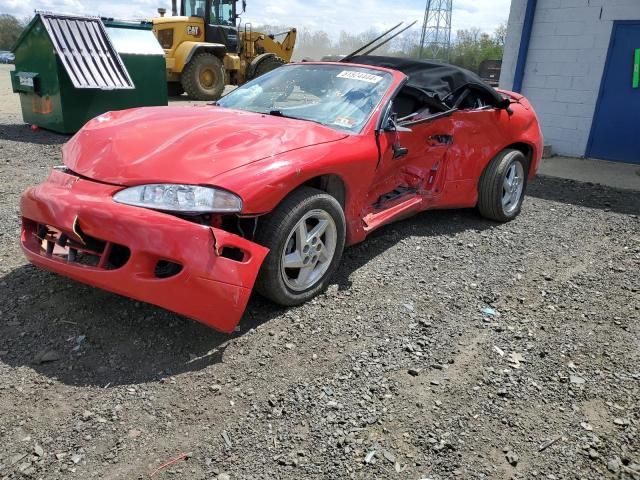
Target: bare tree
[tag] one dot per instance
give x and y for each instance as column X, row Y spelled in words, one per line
column 469, row 47
column 10, row 29
column 500, row 34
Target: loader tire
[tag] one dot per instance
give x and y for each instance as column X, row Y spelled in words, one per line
column 203, row 78
column 266, row 65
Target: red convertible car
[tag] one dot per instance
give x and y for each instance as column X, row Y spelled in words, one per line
column 189, row 208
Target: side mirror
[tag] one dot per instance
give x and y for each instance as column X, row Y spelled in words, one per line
column 244, row 6
column 504, row 103
column 399, row 151
column 391, row 124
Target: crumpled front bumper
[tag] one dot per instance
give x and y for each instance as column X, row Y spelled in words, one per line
column 210, row 286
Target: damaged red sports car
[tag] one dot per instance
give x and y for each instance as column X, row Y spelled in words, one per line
column 189, row 208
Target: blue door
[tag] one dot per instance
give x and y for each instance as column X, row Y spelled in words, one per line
column 615, row 132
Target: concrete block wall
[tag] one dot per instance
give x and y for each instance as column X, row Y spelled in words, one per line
column 567, row 53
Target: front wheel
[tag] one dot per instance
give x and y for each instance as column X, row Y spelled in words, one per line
column 502, row 186
column 203, row 78
column 305, row 235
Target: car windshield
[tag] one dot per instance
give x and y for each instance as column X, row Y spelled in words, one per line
column 338, row 96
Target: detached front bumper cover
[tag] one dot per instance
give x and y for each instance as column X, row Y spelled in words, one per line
column 73, row 227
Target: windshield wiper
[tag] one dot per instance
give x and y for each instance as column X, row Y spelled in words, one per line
column 280, row 113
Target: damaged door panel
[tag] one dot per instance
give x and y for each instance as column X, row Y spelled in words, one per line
column 415, row 174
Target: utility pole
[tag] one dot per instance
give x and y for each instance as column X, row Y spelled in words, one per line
column 435, row 40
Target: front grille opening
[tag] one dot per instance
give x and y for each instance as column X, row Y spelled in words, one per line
column 233, row 253
column 80, row 248
column 167, row 269
column 87, row 259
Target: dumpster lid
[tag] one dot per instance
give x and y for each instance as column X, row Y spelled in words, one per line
column 134, row 41
column 86, row 51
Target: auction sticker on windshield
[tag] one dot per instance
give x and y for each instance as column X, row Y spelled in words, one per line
column 344, row 122
column 365, row 77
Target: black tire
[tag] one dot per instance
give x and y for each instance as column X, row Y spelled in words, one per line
column 203, row 77
column 266, row 65
column 490, row 186
column 274, row 232
column 174, row 89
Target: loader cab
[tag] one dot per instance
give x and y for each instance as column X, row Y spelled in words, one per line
column 219, row 20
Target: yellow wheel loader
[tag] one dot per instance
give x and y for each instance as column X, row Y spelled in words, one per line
column 205, row 49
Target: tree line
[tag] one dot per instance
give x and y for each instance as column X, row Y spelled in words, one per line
column 468, row 47
column 10, row 29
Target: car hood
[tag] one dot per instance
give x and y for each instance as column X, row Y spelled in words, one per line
column 183, row 144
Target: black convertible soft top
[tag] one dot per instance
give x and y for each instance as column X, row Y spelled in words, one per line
column 440, row 80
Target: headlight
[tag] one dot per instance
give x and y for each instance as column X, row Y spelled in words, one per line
column 180, row 198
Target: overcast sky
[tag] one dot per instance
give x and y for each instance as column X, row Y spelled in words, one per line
column 329, row 15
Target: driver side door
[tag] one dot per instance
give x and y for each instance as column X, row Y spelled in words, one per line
column 412, row 159
column 410, row 170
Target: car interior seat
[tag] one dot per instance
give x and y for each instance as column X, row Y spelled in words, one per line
column 413, row 103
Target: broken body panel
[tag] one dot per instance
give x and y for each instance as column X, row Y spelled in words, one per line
column 207, row 279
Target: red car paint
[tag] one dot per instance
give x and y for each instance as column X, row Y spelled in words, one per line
column 183, row 145
column 207, row 280
column 262, row 159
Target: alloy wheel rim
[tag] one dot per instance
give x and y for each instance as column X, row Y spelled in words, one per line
column 512, row 187
column 309, row 250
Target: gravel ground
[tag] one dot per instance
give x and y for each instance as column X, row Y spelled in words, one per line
column 448, row 347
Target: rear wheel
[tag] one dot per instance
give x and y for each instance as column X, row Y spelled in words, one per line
column 502, row 186
column 266, row 65
column 203, row 77
column 305, row 236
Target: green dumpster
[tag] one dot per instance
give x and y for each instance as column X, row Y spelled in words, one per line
column 69, row 69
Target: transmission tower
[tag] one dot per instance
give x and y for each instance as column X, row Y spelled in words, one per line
column 436, row 30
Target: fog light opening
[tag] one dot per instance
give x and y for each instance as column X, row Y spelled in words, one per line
column 233, row 253
column 167, row 269
column 118, row 256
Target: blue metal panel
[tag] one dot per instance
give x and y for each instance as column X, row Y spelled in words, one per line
column 523, row 50
column 615, row 131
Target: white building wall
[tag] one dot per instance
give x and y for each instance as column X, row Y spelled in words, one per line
column 567, row 53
